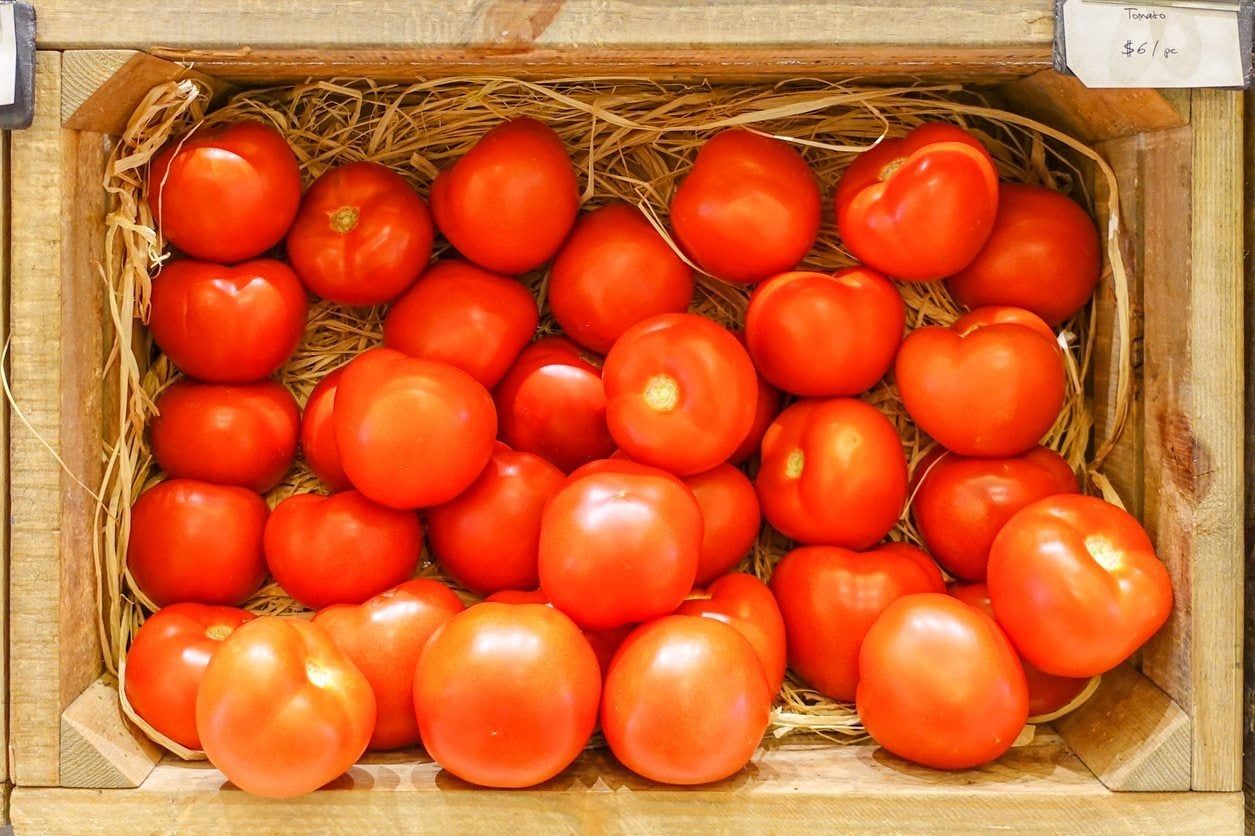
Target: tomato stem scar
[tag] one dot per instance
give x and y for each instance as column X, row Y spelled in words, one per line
column 793, row 465
column 662, row 392
column 317, row 674
column 891, row 168
column 344, row 219
column 218, row 632
column 1103, row 552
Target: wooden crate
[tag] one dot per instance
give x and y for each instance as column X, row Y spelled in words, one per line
column 1157, row 749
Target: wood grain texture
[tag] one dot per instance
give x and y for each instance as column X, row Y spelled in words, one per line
column 5, row 254
column 99, row 748
column 1090, row 115
column 1249, row 615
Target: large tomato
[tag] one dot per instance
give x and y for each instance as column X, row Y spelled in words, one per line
column 816, row 334
column 731, row 519
column 506, row 694
column 766, row 407
column 340, row 549
column 227, row 324
column 746, row 603
column 318, row 436
column 605, row 643
column 921, row 559
column 362, row 235
column 1076, row 584
column 384, row 637
column 939, row 684
column 832, row 472
column 1043, row 255
column 686, row 701
column 465, row 316
column 411, row 432
column 198, row 542
column 225, row 193
column 680, row 393
column 921, row 207
column 231, row 435
column 748, row 209
column 281, row 709
column 508, row 204
column 166, row 661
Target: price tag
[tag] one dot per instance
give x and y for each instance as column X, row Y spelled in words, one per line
column 17, row 63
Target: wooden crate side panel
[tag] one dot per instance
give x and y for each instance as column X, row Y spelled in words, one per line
column 1249, row 615
column 1091, row 115
column 5, row 255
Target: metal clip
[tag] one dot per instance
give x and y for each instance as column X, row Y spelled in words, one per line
column 17, row 64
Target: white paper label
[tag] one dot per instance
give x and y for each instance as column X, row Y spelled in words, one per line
column 8, row 55
column 1114, row 45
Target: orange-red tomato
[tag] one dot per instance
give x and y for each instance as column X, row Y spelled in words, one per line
column 384, row 637
column 766, row 407
column 745, row 602
column 225, row 193
column 282, row 709
column 465, row 316
column 731, row 519
column 748, row 209
column 816, row 334
column 603, row 642
column 510, row 201
column 318, row 437
column 1002, row 315
column 506, row 694
column 921, row 559
column 362, row 235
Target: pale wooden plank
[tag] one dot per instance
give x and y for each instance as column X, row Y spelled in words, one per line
column 5, row 254
column 1092, row 115
column 1249, row 672
column 99, row 749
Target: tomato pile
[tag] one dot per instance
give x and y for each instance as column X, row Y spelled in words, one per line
column 594, row 487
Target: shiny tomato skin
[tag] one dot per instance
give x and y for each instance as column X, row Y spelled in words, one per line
column 731, row 519
column 767, row 406
column 921, row 559
column 230, row 435
column 197, row 542
column 227, row 324
column 748, row 209
column 362, row 235
column 744, row 602
column 274, row 686
column 603, row 642
column 384, row 637
column 225, row 193
column 510, row 201
column 465, row 316
column 318, row 436
column 1003, row 315
column 166, row 661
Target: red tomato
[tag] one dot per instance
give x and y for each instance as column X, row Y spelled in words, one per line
column 832, row 472
column 1043, row 255
column 766, row 408
column 745, row 602
column 281, row 709
column 962, row 503
column 506, row 694
column 749, row 208
column 318, row 437
column 193, row 541
column 340, row 549
column 362, row 235
column 981, row 317
column 990, row 390
column 1076, row 584
column 552, row 403
column 509, row 203
column 940, row 684
column 465, row 316
column 227, row 324
column 603, row 642
column 685, row 702
column 921, row 559
column 411, row 433
column 384, row 637
column 225, row 193
column 231, row 435
column 614, row 271
column 618, row 548
column 680, row 393
column 486, row 538
column 731, row 519
column 166, row 661
column 815, row 334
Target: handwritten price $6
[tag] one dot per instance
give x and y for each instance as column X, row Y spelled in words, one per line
column 1150, row 48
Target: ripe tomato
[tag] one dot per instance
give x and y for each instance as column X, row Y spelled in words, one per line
column 486, row 538
column 231, row 435
column 1076, row 584
column 508, row 204
column 766, row 407
column 731, row 519
column 685, row 702
column 193, row 541
column 506, row 694
column 1001, row 315
column 166, row 661
column 921, row 559
column 281, row 709
column 921, row 207
column 1043, row 255
column 962, row 503
column 384, row 637
column 614, row 271
column 989, row 390
column 465, row 316
column 618, row 547
column 830, row 597
column 362, row 235
column 832, row 472
column 225, row 193
column 340, row 549
column 745, row 602
column 318, row 437
column 939, row 684
column 749, row 208
column 603, row 642
column 411, row 433
column 552, row 403
column 680, row 393
column 815, row 334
